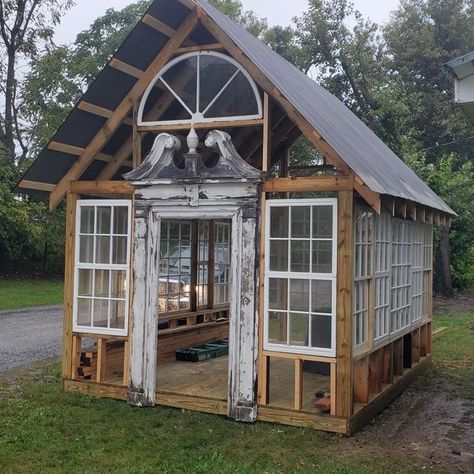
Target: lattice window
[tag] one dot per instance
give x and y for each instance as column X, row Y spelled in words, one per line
column 401, row 298
column 363, row 273
column 102, row 267
column 222, row 256
column 427, row 267
column 383, row 235
column 300, row 276
column 417, row 265
column 202, row 286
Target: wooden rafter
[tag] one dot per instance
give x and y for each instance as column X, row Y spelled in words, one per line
column 36, row 185
column 162, row 27
column 123, row 109
column 125, row 68
column 100, row 111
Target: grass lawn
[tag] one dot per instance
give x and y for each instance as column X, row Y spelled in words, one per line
column 16, row 294
column 44, row 429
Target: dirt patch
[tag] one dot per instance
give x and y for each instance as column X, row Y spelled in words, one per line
column 463, row 303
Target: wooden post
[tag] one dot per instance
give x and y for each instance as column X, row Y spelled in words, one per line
column 298, row 384
column 361, row 380
column 126, row 363
column 344, row 305
column 66, row 366
column 76, row 357
column 137, row 138
column 101, row 359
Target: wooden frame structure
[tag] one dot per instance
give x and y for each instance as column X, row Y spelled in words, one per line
column 358, row 382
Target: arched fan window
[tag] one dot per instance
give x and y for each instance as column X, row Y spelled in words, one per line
column 204, row 87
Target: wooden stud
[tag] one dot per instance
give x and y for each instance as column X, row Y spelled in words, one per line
column 344, row 304
column 397, row 351
column 387, row 364
column 137, row 139
column 122, row 110
column 101, row 359
column 266, row 133
column 298, row 384
column 70, row 240
column 126, row 363
column 76, row 357
column 375, row 372
column 423, row 341
column 429, row 338
column 415, row 346
column 333, row 388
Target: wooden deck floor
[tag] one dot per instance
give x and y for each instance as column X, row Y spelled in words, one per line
column 210, row 379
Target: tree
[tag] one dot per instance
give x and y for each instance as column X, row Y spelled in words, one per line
column 25, row 25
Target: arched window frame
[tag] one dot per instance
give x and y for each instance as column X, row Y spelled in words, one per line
column 200, row 119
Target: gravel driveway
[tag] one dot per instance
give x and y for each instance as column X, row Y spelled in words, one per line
column 29, row 335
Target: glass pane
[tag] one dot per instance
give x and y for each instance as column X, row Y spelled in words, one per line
column 102, row 249
column 278, row 293
column 299, row 328
column 101, row 313
column 277, row 328
column 117, row 314
column 321, row 330
column 104, row 215
column 87, row 220
column 85, row 283
column 84, row 312
column 182, row 78
column 299, row 295
column 238, row 99
column 322, row 221
column 279, row 255
column 119, row 250
column 215, row 73
column 300, row 222
column 118, row 284
column 101, row 283
column 86, row 249
column 279, row 222
column 121, row 220
column 300, row 252
column 322, row 256
column 321, row 296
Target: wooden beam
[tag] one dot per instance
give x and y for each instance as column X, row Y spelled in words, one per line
column 100, row 111
column 200, row 47
column 123, row 109
column 267, row 133
column 100, row 187
column 36, row 185
column 70, row 236
column 344, row 305
column 307, row 184
column 125, row 68
column 298, row 384
column 101, row 359
column 158, row 25
column 201, row 125
column 373, row 199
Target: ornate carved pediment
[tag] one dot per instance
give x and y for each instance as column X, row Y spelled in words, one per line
column 161, row 163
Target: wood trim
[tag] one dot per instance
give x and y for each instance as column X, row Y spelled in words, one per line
column 36, row 185
column 368, row 412
column 100, row 187
column 190, row 402
column 292, row 356
column 70, row 237
column 99, row 111
column 317, row 183
column 202, row 125
column 267, row 133
column 101, row 359
column 298, row 384
column 200, row 47
column 97, row 390
column 344, row 304
column 123, row 109
column 302, row 418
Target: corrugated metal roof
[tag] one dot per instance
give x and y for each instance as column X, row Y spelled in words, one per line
column 373, row 161
column 381, row 170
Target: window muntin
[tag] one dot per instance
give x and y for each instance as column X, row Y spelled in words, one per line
column 417, row 266
column 383, row 236
column 207, row 86
column 300, row 277
column 102, row 267
column 363, row 273
column 401, row 275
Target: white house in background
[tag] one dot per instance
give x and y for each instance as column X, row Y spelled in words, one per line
column 463, row 70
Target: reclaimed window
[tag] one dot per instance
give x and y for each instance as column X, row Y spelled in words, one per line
column 383, row 233
column 427, row 267
column 221, row 263
column 205, row 87
column 102, row 267
column 417, row 265
column 363, row 272
column 300, row 276
column 401, row 281
column 175, row 266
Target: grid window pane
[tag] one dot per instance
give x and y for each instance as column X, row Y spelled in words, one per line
column 278, row 293
column 277, row 327
column 84, row 312
column 322, row 222
column 300, row 222
column 101, row 313
column 279, row 222
column 104, row 215
column 322, row 256
column 85, row 282
column 321, row 331
column 299, row 295
column 300, row 255
column 279, row 255
column 87, row 220
column 299, row 329
column 321, row 296
column 102, row 249
column 86, row 249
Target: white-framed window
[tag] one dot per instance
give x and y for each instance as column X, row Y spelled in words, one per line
column 207, row 86
column 417, row 265
column 383, row 236
column 363, row 272
column 102, row 267
column 222, row 256
column 401, row 281
column 427, row 267
column 300, row 276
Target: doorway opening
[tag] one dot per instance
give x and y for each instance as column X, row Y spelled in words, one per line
column 194, row 290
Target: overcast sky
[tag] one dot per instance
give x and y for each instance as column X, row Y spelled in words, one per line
column 278, row 12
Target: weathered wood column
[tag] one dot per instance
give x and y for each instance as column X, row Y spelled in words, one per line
column 144, row 321
column 243, row 353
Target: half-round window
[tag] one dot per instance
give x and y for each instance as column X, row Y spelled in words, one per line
column 200, row 87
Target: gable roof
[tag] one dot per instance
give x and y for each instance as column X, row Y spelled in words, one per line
column 373, row 161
